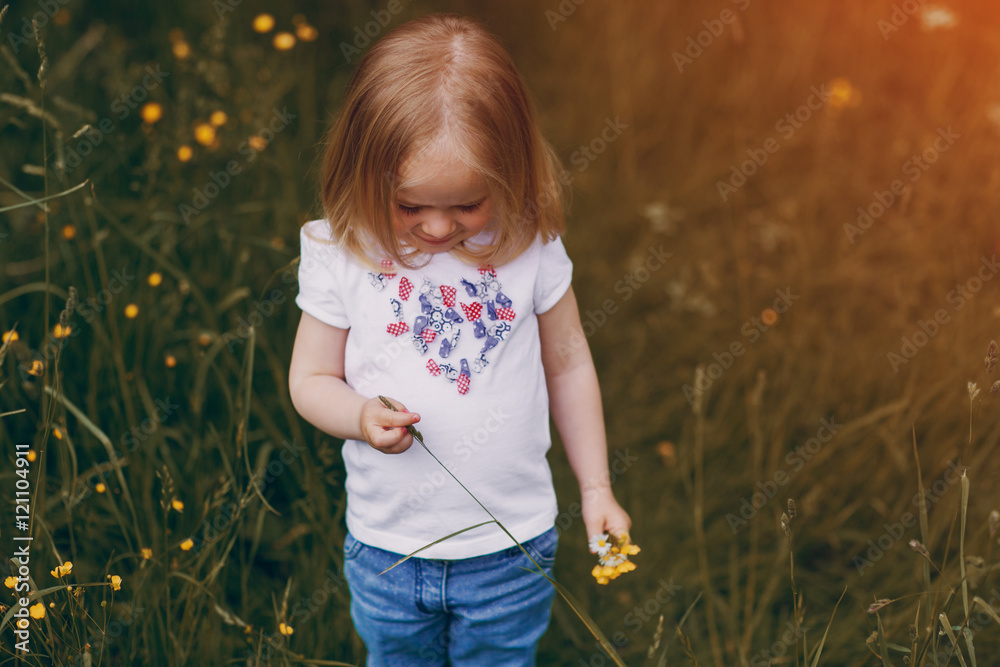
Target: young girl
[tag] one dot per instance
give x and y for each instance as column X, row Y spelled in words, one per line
column 437, row 278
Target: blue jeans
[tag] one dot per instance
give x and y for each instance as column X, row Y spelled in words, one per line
column 484, row 610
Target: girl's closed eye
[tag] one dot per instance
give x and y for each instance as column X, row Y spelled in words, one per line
column 413, row 210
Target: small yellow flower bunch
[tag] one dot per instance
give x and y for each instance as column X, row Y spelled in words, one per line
column 612, row 556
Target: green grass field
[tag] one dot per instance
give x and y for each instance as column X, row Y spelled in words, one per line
column 823, row 176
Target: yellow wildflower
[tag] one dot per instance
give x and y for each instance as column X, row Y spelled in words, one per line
column 116, row 582
column 263, row 23
column 10, row 582
column 154, row 279
column 37, row 610
column 306, row 32
column 100, row 487
column 184, row 153
column 131, row 310
column 62, row 570
column 151, row 112
column 612, row 557
column 147, row 553
column 204, row 134
column 187, row 544
column 283, row 41
column 285, row 629
column 177, row 505
column 10, row 336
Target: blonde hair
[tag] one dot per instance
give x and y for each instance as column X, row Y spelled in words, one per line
column 441, row 79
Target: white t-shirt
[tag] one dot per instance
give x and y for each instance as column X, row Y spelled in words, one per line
column 459, row 345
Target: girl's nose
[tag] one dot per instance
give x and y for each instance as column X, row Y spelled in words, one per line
column 436, row 226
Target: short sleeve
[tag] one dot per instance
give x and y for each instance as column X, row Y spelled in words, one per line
column 555, row 273
column 319, row 293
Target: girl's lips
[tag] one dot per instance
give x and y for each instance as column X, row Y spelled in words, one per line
column 441, row 242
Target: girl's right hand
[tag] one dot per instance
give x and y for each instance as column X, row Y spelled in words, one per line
column 384, row 429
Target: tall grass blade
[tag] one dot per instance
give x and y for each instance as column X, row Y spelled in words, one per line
column 924, row 531
column 822, row 641
column 35, row 202
column 699, row 519
column 570, row 600
column 427, row 546
column 882, row 647
column 687, row 612
column 946, row 624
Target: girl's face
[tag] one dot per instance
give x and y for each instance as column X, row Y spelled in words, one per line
column 449, row 204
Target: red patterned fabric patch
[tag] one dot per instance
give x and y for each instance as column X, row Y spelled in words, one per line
column 433, row 367
column 505, row 313
column 405, row 287
column 487, row 268
column 428, row 335
column 463, row 384
column 448, row 295
column 473, row 311
column 397, row 328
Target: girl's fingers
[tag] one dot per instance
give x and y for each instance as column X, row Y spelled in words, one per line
column 399, row 418
column 392, row 440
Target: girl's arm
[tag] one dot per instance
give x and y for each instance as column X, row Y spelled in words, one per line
column 575, row 405
column 320, row 394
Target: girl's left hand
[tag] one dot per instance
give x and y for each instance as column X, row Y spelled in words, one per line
column 602, row 513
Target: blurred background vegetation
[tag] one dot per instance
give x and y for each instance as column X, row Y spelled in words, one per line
column 152, row 408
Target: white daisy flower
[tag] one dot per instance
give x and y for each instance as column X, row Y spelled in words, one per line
column 600, row 544
column 612, row 560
